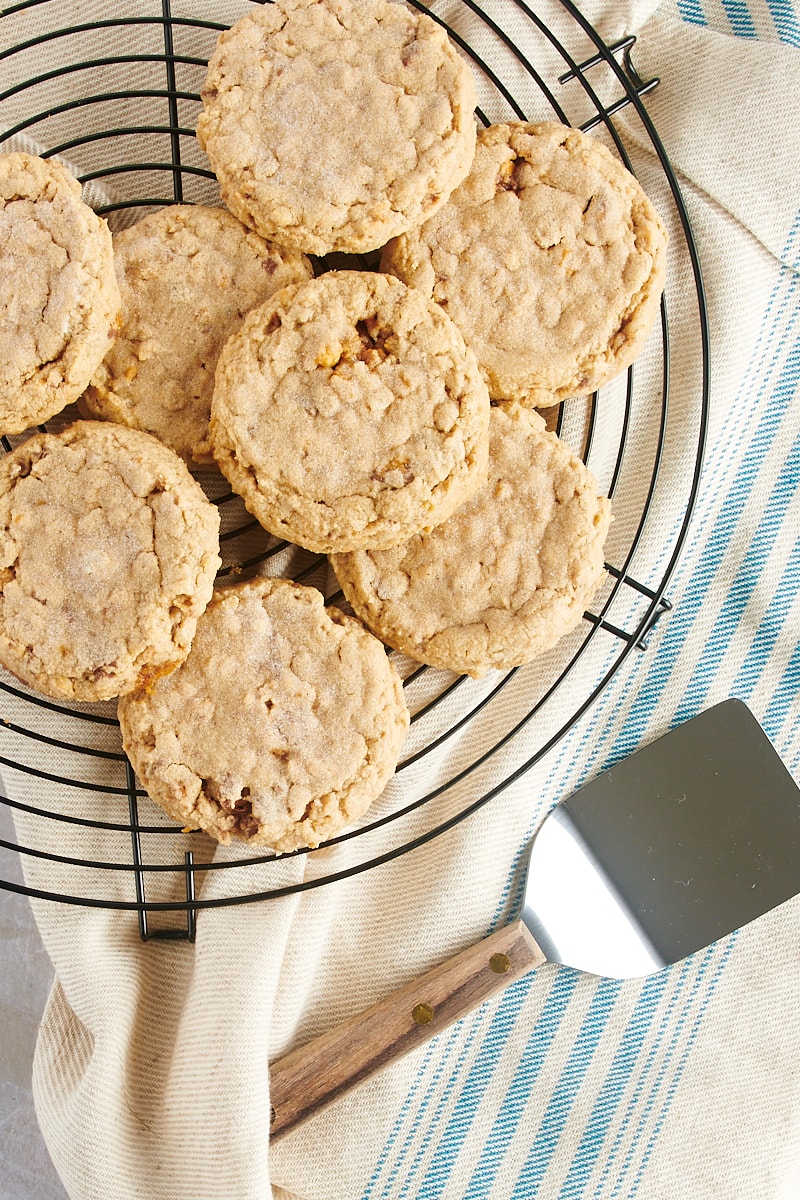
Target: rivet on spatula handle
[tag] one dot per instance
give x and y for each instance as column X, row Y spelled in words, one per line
column 310, row 1078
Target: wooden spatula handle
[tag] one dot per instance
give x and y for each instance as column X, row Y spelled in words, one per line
column 308, row 1079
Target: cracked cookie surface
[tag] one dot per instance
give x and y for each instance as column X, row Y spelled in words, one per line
column 336, row 124
column 347, row 413
column 549, row 257
column 59, row 301
column 283, row 724
column 508, row 575
column 108, row 554
column 187, row 274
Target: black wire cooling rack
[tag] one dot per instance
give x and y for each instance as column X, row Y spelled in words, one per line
column 116, row 97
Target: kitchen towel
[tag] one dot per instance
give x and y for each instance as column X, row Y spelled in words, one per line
column 150, row 1075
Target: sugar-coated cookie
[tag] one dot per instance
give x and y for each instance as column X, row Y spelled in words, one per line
column 59, row 300
column 549, row 258
column 336, row 124
column 347, row 413
column 282, row 726
column 108, row 553
column 187, row 276
column 507, row 576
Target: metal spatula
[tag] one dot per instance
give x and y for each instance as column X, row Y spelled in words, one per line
column 680, row 844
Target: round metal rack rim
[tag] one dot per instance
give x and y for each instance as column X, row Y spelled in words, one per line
column 631, row 88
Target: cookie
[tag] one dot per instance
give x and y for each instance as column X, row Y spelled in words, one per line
column 336, row 124
column 283, row 724
column 348, row 413
column 550, row 259
column 507, row 576
column 59, row 301
column 187, row 275
column 108, row 553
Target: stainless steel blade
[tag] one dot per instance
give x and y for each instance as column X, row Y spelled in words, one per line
column 684, row 841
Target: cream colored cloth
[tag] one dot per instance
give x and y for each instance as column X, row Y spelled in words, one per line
column 150, row 1075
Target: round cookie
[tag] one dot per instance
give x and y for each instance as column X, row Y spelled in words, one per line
column 187, row 275
column 550, row 258
column 108, row 553
column 348, row 413
column 336, row 124
column 283, row 724
column 508, row 575
column 59, row 301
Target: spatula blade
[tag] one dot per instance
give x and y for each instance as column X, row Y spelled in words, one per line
column 681, row 843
